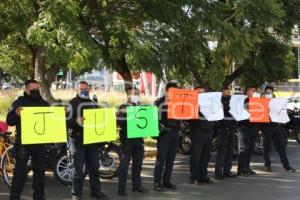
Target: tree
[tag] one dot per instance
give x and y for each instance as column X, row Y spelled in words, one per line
column 237, row 29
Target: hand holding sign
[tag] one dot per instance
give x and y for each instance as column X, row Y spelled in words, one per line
column 42, row 125
column 142, row 121
column 182, row 104
column 237, row 107
column 100, row 125
column 278, row 110
column 211, row 106
column 18, row 111
column 259, row 110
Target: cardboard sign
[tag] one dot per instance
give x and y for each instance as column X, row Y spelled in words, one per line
column 100, row 125
column 211, row 106
column 43, row 125
column 237, row 107
column 142, row 121
column 182, row 104
column 259, row 110
column 278, row 110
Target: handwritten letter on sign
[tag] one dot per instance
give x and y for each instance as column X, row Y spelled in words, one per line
column 100, row 125
column 183, row 104
column 237, row 107
column 142, row 121
column 43, row 125
column 278, row 110
column 259, row 110
column 211, row 105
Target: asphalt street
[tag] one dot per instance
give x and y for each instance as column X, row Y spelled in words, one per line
column 278, row 185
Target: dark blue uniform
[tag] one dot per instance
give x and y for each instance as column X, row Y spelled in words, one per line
column 83, row 154
column 273, row 132
column 167, row 145
column 225, row 137
column 24, row 152
column 201, row 135
column 247, row 132
column 130, row 149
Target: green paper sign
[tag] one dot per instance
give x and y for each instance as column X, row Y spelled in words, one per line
column 142, row 121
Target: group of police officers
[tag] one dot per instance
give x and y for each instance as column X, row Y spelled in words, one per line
column 202, row 132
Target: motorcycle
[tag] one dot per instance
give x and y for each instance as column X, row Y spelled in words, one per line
column 109, row 160
column 185, row 143
column 8, row 160
column 293, row 126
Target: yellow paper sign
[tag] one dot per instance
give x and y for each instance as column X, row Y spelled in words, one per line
column 43, row 125
column 100, row 125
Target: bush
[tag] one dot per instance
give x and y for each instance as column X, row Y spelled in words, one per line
column 6, row 99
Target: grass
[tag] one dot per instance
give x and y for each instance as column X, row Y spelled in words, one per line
column 114, row 99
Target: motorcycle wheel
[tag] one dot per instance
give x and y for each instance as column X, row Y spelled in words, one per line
column 185, row 145
column 63, row 169
column 110, row 162
column 259, row 145
column 297, row 134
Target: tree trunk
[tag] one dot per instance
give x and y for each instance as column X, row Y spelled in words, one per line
column 39, row 72
column 231, row 77
column 32, row 66
column 123, row 69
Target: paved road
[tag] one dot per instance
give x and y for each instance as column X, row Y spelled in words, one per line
column 278, row 185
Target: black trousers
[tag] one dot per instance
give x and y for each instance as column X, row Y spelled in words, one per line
column 246, row 142
column 200, row 155
column 131, row 149
column 85, row 156
column 38, row 157
column 225, row 139
column 273, row 132
column 167, row 146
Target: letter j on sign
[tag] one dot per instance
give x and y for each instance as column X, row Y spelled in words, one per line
column 43, row 125
column 142, row 121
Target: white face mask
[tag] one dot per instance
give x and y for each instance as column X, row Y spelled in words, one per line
column 256, row 94
column 269, row 96
column 135, row 99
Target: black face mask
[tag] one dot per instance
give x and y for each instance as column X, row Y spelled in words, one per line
column 35, row 94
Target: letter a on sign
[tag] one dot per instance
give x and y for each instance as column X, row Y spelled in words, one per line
column 182, row 104
column 142, row 121
column 43, row 125
column 278, row 110
column 100, row 125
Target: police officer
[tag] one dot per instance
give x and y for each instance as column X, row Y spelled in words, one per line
column 247, row 132
column 83, row 154
column 225, row 138
column 201, row 136
column 130, row 148
column 37, row 152
column 274, row 131
column 167, row 145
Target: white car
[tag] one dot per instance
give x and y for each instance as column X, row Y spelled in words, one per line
column 6, row 86
column 293, row 102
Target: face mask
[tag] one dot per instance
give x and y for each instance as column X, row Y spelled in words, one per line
column 35, row 94
column 135, row 99
column 84, row 94
column 269, row 96
column 256, row 94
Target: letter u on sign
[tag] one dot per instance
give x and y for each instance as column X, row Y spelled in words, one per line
column 100, row 125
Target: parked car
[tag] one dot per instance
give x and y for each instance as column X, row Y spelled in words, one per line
column 6, row 86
